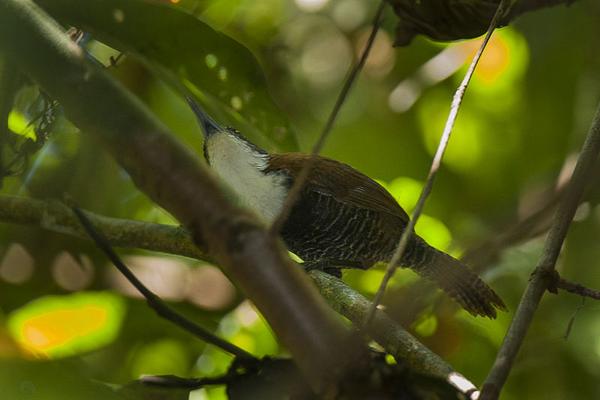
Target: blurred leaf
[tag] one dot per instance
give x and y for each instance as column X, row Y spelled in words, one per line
column 24, row 380
column 206, row 60
column 60, row 326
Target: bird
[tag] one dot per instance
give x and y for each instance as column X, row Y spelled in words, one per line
column 341, row 219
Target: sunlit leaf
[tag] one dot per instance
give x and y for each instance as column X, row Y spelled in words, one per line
column 163, row 357
column 60, row 326
column 368, row 281
column 206, row 60
column 427, row 325
column 19, row 125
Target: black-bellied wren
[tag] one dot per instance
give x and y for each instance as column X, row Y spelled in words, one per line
column 342, row 218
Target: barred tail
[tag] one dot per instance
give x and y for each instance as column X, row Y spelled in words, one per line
column 459, row 282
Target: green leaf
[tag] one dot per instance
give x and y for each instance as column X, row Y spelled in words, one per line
column 207, row 61
column 19, row 125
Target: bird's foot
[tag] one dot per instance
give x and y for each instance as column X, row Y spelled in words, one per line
column 322, row 266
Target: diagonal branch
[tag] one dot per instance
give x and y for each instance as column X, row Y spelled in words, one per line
column 174, row 178
column 544, row 273
column 152, row 299
column 298, row 184
column 388, row 333
column 503, row 7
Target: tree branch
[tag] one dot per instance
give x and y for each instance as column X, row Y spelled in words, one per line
column 173, row 177
column 57, row 217
column 543, row 274
column 387, row 332
column 578, row 289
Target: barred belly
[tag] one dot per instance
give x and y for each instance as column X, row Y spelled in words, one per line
column 320, row 228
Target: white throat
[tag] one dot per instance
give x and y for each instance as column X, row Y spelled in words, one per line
column 241, row 166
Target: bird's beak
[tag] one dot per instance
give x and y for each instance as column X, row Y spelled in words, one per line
column 208, row 124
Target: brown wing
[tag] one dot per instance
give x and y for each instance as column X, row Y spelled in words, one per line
column 340, row 181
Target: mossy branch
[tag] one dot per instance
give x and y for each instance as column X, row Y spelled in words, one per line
column 55, row 216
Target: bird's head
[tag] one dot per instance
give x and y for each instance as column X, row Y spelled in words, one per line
column 223, row 141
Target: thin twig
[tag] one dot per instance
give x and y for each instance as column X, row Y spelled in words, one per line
column 435, row 165
column 296, row 188
column 172, row 382
column 572, row 319
column 544, row 274
column 152, row 299
column 578, row 289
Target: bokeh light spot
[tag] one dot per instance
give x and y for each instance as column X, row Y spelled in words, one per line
column 211, row 60
column 326, row 57
column 209, row 288
column 17, row 265
column 434, row 232
column 60, row 326
column 405, row 190
column 118, row 15
column 502, row 65
column 311, row 5
column 349, row 14
column 464, row 151
column 236, row 103
column 381, row 57
column 164, row 276
column 222, row 73
column 72, row 274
